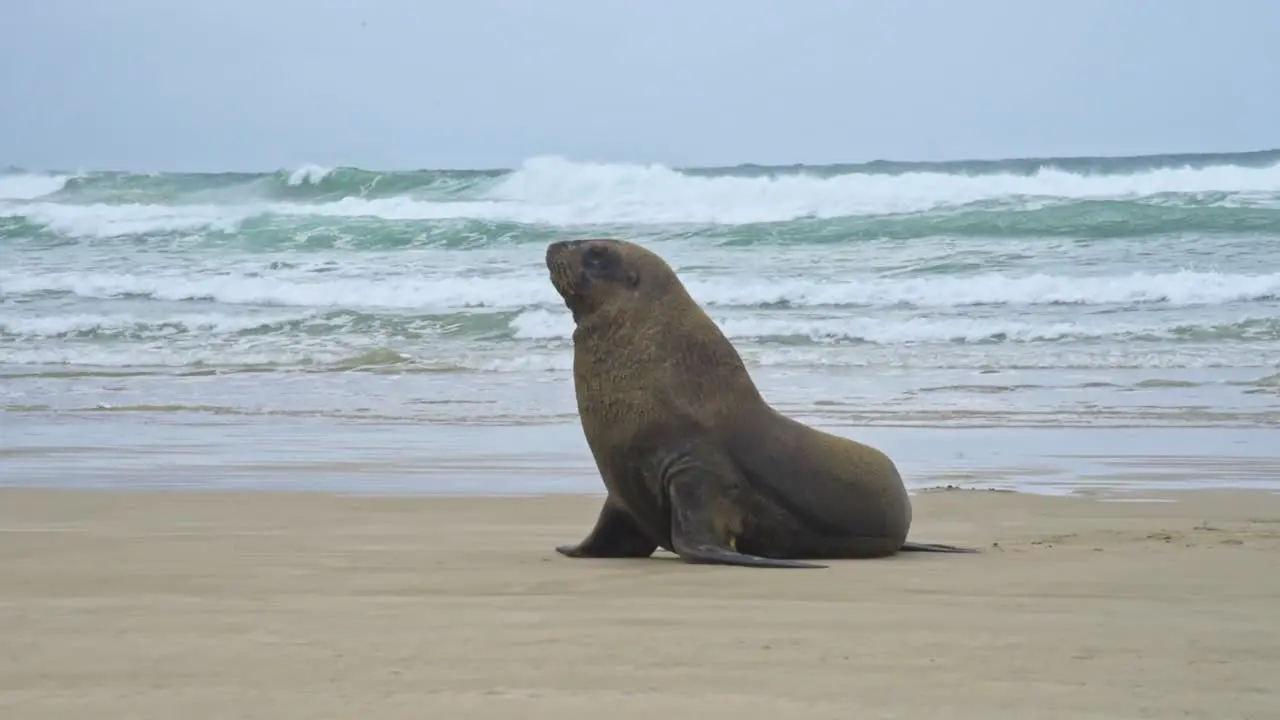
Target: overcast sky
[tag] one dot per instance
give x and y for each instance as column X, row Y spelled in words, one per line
column 265, row 84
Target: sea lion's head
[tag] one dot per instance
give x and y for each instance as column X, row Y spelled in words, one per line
column 603, row 275
column 637, row 323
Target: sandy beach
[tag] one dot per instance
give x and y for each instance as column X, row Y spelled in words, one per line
column 278, row 605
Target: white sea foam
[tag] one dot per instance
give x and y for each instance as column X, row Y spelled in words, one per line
column 434, row 290
column 541, row 324
column 560, row 357
column 102, row 220
column 309, row 175
column 1176, row 288
column 29, row 186
column 173, row 324
column 546, row 325
column 412, row 292
column 657, row 194
column 558, row 192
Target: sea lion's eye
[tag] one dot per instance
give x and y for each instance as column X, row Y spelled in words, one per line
column 593, row 258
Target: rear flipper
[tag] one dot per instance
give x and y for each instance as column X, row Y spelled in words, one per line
column 934, row 547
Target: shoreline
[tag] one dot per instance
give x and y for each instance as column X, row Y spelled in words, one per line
column 1129, row 495
column 435, row 459
column 150, row 604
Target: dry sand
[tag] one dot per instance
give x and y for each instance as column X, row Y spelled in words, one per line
column 186, row 606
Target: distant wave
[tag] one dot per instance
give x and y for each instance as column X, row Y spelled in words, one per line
column 544, row 194
column 957, row 199
column 29, row 186
column 298, row 226
column 353, row 181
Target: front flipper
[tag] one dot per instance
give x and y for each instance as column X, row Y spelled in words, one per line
column 934, row 547
column 698, row 533
column 615, row 535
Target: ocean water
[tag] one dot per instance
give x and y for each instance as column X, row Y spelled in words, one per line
column 385, row 322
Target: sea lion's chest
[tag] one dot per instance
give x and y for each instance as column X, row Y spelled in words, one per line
column 629, row 424
column 628, row 465
column 628, row 447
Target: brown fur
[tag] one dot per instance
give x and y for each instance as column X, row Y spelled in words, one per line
column 693, row 458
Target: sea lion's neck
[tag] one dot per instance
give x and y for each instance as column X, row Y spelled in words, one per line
column 684, row 353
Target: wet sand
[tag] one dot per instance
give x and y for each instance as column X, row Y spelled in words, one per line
column 192, row 451
column 275, row 605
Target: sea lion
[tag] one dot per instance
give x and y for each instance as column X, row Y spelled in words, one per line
column 693, row 458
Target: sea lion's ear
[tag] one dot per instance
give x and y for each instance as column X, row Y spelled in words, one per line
column 633, row 278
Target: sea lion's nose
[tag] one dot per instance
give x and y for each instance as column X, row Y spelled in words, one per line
column 555, row 248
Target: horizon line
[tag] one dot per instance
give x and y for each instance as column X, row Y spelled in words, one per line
column 1045, row 159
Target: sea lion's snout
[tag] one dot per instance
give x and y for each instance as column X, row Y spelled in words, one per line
column 588, row 273
column 556, row 250
column 560, row 267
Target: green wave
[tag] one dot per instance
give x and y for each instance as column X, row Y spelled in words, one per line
column 1088, row 219
column 342, row 182
column 338, row 183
